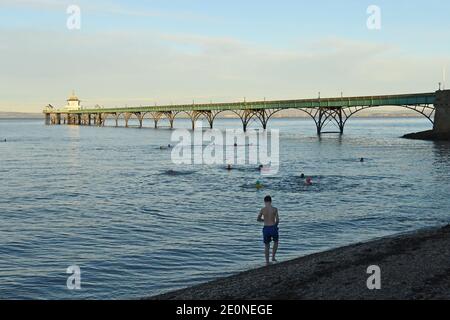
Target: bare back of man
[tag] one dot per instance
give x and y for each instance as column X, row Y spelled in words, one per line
column 269, row 215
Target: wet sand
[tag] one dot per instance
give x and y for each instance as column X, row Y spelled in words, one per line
column 413, row 266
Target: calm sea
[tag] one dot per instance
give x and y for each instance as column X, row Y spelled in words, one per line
column 110, row 201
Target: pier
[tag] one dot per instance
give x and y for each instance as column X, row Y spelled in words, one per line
column 434, row 106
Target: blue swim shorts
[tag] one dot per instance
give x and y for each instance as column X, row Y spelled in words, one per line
column 270, row 234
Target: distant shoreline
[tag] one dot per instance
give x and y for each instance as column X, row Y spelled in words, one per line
column 20, row 116
column 413, row 266
column 16, row 119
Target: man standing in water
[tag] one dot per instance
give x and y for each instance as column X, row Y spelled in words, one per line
column 269, row 215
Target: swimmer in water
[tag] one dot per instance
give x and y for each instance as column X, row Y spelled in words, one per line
column 259, row 185
column 260, row 167
column 229, row 167
column 302, row 176
column 308, row 181
column 235, row 144
column 361, row 160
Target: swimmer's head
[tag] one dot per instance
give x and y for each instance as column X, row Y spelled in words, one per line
column 302, row 176
column 268, row 200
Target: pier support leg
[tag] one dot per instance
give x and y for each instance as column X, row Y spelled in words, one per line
column 340, row 121
column 171, row 117
column 263, row 118
column 264, row 115
column 47, row 119
column 245, row 116
column 193, row 115
column 127, row 117
column 140, row 118
column 320, row 122
column 325, row 115
column 210, row 117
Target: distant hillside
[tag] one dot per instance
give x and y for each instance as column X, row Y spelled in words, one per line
column 382, row 112
column 20, row 115
column 375, row 112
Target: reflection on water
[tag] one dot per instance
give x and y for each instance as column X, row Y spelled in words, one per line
column 111, row 201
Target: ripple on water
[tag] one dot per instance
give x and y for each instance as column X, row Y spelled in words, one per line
column 110, row 201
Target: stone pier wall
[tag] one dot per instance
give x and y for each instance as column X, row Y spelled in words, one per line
column 442, row 116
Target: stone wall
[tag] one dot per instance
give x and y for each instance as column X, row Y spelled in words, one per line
column 442, row 116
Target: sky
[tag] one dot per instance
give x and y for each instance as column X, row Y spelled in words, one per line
column 179, row 51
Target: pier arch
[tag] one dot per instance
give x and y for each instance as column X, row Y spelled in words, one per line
column 209, row 115
column 161, row 116
column 427, row 111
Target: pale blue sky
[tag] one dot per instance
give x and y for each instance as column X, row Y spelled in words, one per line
column 141, row 52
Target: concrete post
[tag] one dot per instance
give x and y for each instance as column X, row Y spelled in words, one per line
column 442, row 115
